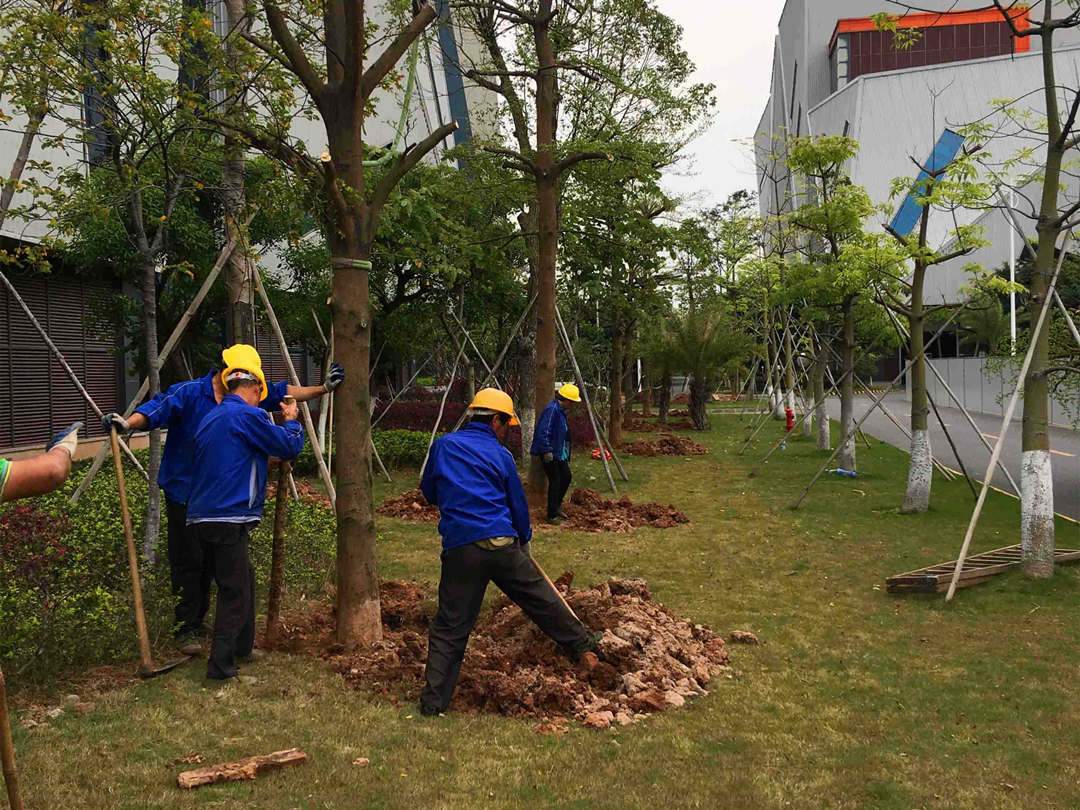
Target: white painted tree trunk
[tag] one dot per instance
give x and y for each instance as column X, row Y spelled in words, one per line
column 527, row 417
column 1037, row 513
column 917, row 496
column 778, row 404
column 824, row 438
column 808, row 426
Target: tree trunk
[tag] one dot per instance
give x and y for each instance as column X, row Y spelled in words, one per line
column 1036, row 482
column 358, row 611
column 22, row 155
column 821, row 414
column 153, row 374
column 526, row 354
column 789, row 367
column 629, row 390
column 615, row 406
column 547, row 218
column 646, row 399
column 663, row 398
column 699, row 397
column 846, row 458
column 277, row 553
column 920, row 471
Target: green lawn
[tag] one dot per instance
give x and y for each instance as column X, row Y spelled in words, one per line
column 854, row 699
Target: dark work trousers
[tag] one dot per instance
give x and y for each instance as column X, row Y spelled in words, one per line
column 559, row 477
column 466, row 571
column 225, row 546
column 190, row 577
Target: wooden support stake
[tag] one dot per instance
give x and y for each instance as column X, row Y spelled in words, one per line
column 241, row 769
column 277, row 554
column 1005, row 423
column 7, row 750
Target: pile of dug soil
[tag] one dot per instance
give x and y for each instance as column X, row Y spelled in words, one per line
column 305, row 489
column 410, row 505
column 653, row 660
column 587, row 511
column 643, row 426
column 668, row 444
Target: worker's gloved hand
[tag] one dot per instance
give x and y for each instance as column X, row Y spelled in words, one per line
column 334, row 378
column 111, row 420
column 68, row 439
column 548, row 457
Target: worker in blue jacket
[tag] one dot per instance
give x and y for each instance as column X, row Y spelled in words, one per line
column 551, row 442
column 181, row 409
column 485, row 532
column 232, row 448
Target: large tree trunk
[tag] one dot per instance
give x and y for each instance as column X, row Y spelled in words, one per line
column 615, row 406
column 240, row 326
column 358, row 611
column 700, row 387
column 1036, row 482
column 846, row 458
column 821, row 414
column 277, row 554
column 153, row 374
column 920, row 471
column 547, row 209
column 526, row 347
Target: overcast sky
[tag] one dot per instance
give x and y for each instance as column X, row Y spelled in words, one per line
column 731, row 43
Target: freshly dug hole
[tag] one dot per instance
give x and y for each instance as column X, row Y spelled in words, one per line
column 654, row 660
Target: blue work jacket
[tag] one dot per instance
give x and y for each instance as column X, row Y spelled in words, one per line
column 552, row 434
column 474, row 482
column 182, row 409
column 232, row 447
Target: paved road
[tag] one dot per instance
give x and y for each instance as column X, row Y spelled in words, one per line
column 1065, row 444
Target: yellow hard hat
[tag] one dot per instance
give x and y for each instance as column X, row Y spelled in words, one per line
column 244, row 358
column 570, row 392
column 492, row 399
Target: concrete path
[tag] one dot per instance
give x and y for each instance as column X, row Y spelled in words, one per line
column 1064, row 443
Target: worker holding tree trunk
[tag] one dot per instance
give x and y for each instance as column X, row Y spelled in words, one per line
column 551, row 441
column 181, row 409
column 485, row 530
column 43, row 473
column 232, row 450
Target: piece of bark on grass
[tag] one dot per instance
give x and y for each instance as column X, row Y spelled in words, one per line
column 241, row 769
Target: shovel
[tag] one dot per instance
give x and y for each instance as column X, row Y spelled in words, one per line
column 146, row 659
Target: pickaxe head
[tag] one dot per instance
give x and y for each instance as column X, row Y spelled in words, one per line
column 146, row 672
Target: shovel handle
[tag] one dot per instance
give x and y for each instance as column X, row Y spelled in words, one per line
column 542, row 573
column 146, row 659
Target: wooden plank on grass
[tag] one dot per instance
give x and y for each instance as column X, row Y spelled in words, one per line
column 978, row 568
column 241, row 769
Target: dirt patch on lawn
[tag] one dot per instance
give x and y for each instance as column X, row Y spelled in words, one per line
column 305, row 489
column 649, row 426
column 587, row 511
column 410, row 505
column 668, row 444
column 653, row 660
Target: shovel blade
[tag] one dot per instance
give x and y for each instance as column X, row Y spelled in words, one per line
column 152, row 672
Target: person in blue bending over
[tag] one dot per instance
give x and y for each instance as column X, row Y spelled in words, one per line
column 485, row 532
column 551, row 442
column 232, row 448
column 181, row 409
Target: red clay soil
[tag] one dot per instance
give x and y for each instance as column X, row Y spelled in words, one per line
column 307, row 492
column 410, row 505
column 585, row 509
column 668, row 444
column 653, row 660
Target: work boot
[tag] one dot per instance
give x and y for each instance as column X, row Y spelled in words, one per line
column 251, row 657
column 591, row 644
column 429, row 711
column 554, row 521
column 190, row 644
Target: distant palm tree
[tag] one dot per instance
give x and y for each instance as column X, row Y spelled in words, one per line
column 984, row 323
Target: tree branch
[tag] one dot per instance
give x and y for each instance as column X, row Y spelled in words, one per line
column 374, row 75
column 405, row 163
column 298, row 61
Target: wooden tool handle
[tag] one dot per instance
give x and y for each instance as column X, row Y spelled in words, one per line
column 146, row 660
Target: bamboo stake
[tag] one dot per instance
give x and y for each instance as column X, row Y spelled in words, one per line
column 163, row 355
column 956, row 454
column 475, row 349
column 585, row 395
column 1005, row 423
column 7, row 750
column 442, row 409
column 305, row 411
column 766, row 421
column 874, row 407
column 404, row 388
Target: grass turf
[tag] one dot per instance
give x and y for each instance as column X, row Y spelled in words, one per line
column 854, row 699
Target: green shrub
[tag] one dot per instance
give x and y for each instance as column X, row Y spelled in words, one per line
column 65, row 589
column 401, row 448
